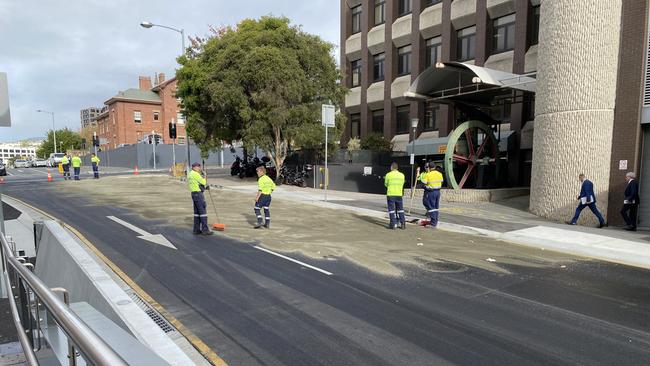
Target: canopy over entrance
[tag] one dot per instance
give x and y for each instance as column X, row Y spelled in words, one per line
column 468, row 84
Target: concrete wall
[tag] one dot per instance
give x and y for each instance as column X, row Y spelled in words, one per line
column 574, row 114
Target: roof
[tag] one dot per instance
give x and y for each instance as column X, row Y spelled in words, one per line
column 456, row 81
column 138, row 95
column 163, row 84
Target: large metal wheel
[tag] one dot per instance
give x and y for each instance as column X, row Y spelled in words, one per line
column 471, row 144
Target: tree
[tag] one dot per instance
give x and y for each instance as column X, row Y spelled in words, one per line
column 65, row 138
column 262, row 82
column 87, row 134
column 376, row 142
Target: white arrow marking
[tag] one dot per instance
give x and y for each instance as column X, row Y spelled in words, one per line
column 153, row 238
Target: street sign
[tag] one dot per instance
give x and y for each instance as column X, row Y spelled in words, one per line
column 103, row 141
column 622, row 165
column 328, row 115
column 5, row 116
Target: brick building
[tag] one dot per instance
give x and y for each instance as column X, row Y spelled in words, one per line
column 588, row 112
column 133, row 114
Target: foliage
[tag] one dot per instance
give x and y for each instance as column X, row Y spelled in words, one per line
column 262, row 82
column 85, row 133
column 376, row 142
column 354, row 144
column 65, row 138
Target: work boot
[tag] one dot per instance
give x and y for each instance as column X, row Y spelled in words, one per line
column 267, row 225
column 258, row 225
column 207, row 233
column 196, row 232
column 602, row 225
column 390, row 227
column 403, row 226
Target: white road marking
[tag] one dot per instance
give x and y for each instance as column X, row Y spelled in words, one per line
column 294, row 261
column 11, row 175
column 40, row 171
column 153, row 238
column 20, row 171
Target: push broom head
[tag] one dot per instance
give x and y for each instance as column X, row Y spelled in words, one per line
column 219, row 227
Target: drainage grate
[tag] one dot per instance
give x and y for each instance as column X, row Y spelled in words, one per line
column 153, row 314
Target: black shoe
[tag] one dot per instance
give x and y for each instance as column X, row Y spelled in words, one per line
column 267, row 225
column 602, row 225
column 207, row 233
column 569, row 223
column 258, row 225
column 630, row 228
column 196, row 232
column 390, row 227
column 402, row 226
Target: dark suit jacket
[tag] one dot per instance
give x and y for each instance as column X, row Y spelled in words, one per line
column 587, row 190
column 632, row 192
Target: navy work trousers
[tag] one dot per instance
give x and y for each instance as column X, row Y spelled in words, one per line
column 200, row 213
column 395, row 209
column 263, row 203
column 76, row 172
column 96, row 170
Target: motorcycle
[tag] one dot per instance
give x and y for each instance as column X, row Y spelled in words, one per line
column 236, row 166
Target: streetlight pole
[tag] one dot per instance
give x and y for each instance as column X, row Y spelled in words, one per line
column 414, row 126
column 182, row 33
column 53, row 130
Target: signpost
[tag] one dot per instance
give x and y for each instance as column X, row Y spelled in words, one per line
column 328, row 119
column 153, row 142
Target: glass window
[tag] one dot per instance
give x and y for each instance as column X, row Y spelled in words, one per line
column 155, row 116
column 503, row 34
column 355, row 125
column 534, row 32
column 380, row 11
column 431, row 2
column 404, row 7
column 403, row 119
column 137, row 116
column 378, row 67
column 430, row 120
column 356, row 19
column 180, row 140
column 434, row 50
column 355, row 68
column 404, row 60
column 466, row 43
column 378, row 121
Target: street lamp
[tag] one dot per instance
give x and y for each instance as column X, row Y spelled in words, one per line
column 148, row 25
column 53, row 130
column 414, row 126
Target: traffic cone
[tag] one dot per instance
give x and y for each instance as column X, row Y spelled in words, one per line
column 49, row 176
column 136, row 172
column 2, row 181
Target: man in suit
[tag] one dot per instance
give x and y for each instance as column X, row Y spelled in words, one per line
column 587, row 198
column 630, row 202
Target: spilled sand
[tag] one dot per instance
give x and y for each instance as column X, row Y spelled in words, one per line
column 313, row 231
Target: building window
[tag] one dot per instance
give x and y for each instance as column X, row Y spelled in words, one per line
column 503, row 34
column 355, row 68
column 403, row 119
column 404, row 7
column 180, row 119
column 534, row 31
column 466, row 43
column 137, row 116
column 180, row 140
column 430, row 120
column 404, row 60
column 156, row 116
column 356, row 19
column 434, row 50
column 378, row 121
column 431, row 2
column 380, row 11
column 355, row 126
column 378, row 67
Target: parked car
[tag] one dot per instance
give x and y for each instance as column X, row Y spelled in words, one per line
column 55, row 159
column 3, row 168
column 39, row 163
column 22, row 163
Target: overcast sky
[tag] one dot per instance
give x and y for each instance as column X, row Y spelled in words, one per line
column 63, row 56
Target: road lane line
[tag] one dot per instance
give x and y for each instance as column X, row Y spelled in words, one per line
column 20, row 171
column 294, row 261
column 40, row 171
column 11, row 175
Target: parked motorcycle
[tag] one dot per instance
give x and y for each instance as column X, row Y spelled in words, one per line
column 236, row 166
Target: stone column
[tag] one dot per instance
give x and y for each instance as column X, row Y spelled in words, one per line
column 574, row 112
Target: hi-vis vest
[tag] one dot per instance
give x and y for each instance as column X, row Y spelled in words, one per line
column 394, row 182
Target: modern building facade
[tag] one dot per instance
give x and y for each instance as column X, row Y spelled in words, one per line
column 17, row 149
column 587, row 115
column 134, row 114
column 89, row 115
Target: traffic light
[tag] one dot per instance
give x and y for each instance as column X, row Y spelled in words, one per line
column 172, row 130
column 95, row 140
column 83, row 143
column 157, row 139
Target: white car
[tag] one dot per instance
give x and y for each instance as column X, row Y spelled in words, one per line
column 39, row 163
column 21, row 163
column 55, row 159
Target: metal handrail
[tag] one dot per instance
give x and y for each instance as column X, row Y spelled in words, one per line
column 86, row 340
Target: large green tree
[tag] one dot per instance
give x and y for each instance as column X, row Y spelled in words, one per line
column 262, row 82
column 66, row 139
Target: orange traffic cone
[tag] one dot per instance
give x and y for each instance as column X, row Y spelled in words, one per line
column 49, row 176
column 136, row 172
column 2, row 181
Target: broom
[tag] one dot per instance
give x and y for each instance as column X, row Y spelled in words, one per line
column 217, row 225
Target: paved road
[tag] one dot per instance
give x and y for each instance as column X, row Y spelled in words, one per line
column 254, row 308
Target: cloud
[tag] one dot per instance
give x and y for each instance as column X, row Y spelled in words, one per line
column 66, row 56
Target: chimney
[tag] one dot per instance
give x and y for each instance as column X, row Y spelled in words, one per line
column 145, row 83
column 161, row 78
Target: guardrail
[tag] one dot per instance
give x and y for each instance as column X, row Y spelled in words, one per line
column 33, row 298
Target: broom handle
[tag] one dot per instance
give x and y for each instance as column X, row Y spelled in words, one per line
column 211, row 199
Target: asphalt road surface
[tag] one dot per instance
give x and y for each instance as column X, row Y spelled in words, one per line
column 255, row 308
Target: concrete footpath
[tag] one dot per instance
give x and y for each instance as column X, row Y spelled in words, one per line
column 506, row 220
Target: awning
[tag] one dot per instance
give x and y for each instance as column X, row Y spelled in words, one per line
column 470, row 84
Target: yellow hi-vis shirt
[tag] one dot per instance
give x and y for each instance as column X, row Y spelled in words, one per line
column 65, row 161
column 76, row 162
column 394, row 182
column 433, row 179
column 193, row 181
column 95, row 159
column 265, row 184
